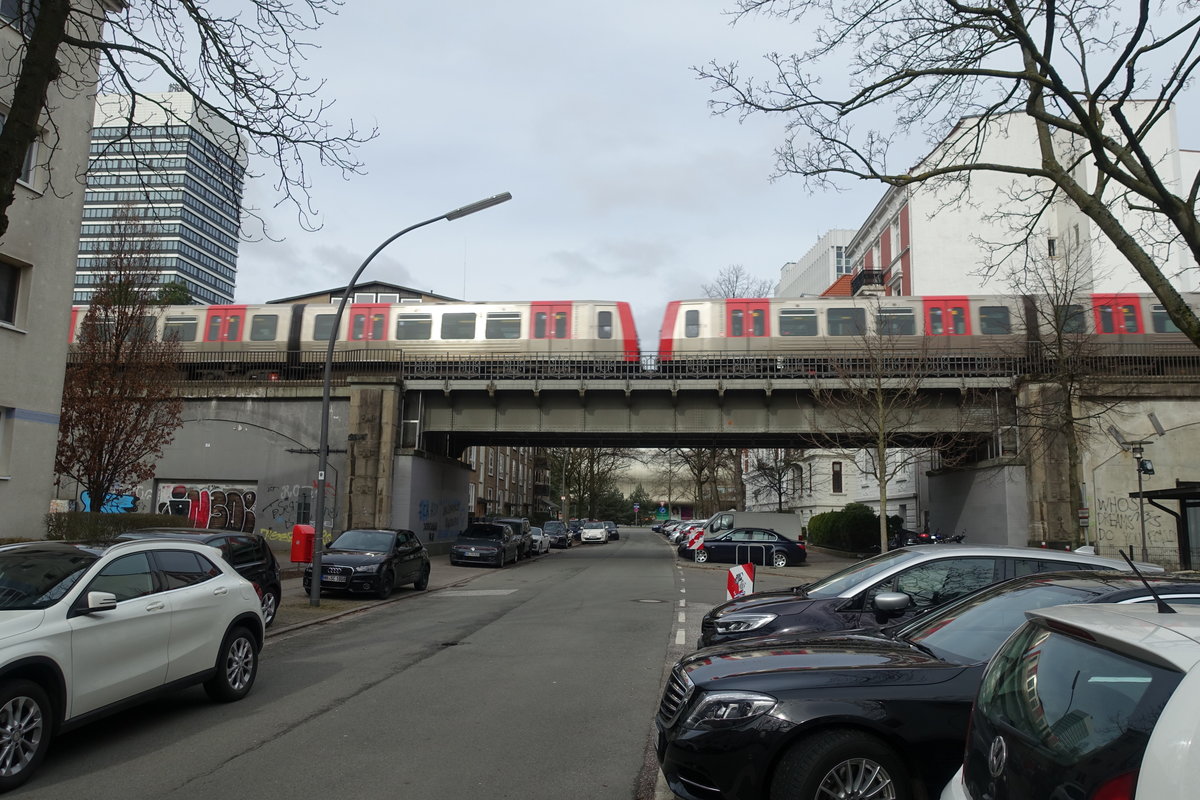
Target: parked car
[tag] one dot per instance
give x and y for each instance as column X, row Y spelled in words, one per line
column 611, row 528
column 790, row 525
column 1088, row 702
column 884, row 712
column 928, row 576
column 593, row 532
column 372, row 561
column 91, row 629
column 520, row 528
column 746, row 546
column 560, row 535
column 541, row 541
column 485, row 543
column 248, row 553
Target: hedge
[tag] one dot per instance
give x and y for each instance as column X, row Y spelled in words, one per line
column 86, row 526
column 854, row 529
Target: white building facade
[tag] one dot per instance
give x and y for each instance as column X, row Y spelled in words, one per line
column 823, row 264
column 37, row 258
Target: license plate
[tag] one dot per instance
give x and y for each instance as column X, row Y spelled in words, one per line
column 473, row 554
column 334, row 578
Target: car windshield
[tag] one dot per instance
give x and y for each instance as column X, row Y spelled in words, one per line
column 366, row 541
column 971, row 630
column 483, row 532
column 843, row 580
column 593, row 525
column 39, row 578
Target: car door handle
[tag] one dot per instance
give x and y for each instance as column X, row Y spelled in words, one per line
column 220, row 590
column 155, row 605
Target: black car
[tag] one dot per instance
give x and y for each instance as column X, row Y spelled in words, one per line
column 373, row 562
column 927, row 576
column 248, row 553
column 559, row 533
column 746, row 546
column 882, row 712
column 520, row 529
column 485, row 543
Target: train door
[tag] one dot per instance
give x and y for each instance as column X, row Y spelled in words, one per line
column 748, row 320
column 368, row 322
column 1117, row 313
column 947, row 316
column 224, row 323
column 550, row 326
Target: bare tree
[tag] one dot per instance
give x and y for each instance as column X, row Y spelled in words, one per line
column 1094, row 79
column 876, row 395
column 120, row 407
column 587, row 475
column 735, row 281
column 773, row 472
column 243, row 69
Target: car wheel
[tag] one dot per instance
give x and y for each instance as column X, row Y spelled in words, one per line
column 387, row 582
column 25, row 725
column 700, row 556
column 270, row 605
column 237, row 666
column 841, row 763
column 779, row 559
column 422, row 583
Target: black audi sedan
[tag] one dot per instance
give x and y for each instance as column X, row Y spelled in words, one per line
column 859, row 714
column 748, row 545
column 372, row 561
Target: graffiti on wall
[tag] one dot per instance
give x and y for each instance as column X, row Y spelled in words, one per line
column 286, row 505
column 1118, row 523
column 113, row 503
column 226, row 507
column 441, row 520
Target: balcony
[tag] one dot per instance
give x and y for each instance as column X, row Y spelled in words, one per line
column 865, row 277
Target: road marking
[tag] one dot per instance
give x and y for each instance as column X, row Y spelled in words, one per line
column 679, row 636
column 683, row 603
column 682, row 618
column 476, row 592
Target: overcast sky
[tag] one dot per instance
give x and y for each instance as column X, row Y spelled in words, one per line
column 624, row 186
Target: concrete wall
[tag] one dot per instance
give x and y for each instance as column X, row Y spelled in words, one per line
column 430, row 497
column 990, row 505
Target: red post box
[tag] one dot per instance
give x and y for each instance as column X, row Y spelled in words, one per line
column 302, row 543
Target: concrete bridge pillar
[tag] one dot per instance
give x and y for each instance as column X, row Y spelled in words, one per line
column 374, row 431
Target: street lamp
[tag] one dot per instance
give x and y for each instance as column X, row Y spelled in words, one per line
column 1144, row 467
column 314, row 596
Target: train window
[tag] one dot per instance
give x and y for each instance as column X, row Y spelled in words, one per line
column 691, row 323
column 736, row 323
column 502, row 325
column 414, row 327
column 958, row 319
column 359, row 326
column 214, row 329
column 263, row 327
column 143, row 328
column 1070, row 319
column 846, row 321
column 797, row 322
column 896, row 322
column 757, row 322
column 539, row 325
column 560, row 325
column 1129, row 318
column 1160, row 322
column 458, row 326
column 323, row 327
column 179, row 329
column 936, row 328
column 994, row 320
column 604, row 324
column 233, row 328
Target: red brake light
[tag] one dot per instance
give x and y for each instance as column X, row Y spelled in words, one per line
column 1119, row 788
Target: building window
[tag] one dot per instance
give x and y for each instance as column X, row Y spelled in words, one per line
column 26, row 176
column 837, row 477
column 1052, row 246
column 10, row 283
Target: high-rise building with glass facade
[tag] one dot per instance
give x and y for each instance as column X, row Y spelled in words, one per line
column 175, row 171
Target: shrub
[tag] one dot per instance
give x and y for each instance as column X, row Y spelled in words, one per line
column 854, row 529
column 86, row 526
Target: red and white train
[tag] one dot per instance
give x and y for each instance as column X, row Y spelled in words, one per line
column 575, row 332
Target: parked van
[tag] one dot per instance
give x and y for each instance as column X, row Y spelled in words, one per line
column 787, row 524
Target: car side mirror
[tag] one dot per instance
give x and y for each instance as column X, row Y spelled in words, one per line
column 99, row 601
column 892, row 602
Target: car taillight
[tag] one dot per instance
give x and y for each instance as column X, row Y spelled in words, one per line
column 1119, row 788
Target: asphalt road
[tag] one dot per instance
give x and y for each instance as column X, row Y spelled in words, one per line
column 535, row 681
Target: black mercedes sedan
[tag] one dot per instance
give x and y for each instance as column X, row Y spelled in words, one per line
column 372, row 561
column 869, row 714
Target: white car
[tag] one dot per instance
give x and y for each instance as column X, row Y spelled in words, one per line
column 541, row 542
column 88, row 629
column 1088, row 701
column 593, row 532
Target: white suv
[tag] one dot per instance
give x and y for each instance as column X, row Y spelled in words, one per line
column 87, row 629
column 1088, row 701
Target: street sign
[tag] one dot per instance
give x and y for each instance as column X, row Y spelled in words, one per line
column 661, row 514
column 636, row 506
column 1084, row 515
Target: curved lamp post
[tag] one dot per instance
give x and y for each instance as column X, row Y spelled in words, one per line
column 314, row 595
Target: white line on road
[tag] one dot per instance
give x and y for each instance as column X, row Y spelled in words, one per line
column 682, row 618
column 679, row 636
column 476, row 592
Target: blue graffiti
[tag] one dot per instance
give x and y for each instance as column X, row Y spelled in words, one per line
column 113, row 503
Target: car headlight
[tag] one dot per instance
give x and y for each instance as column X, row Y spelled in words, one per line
column 367, row 568
column 738, row 623
column 727, row 709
